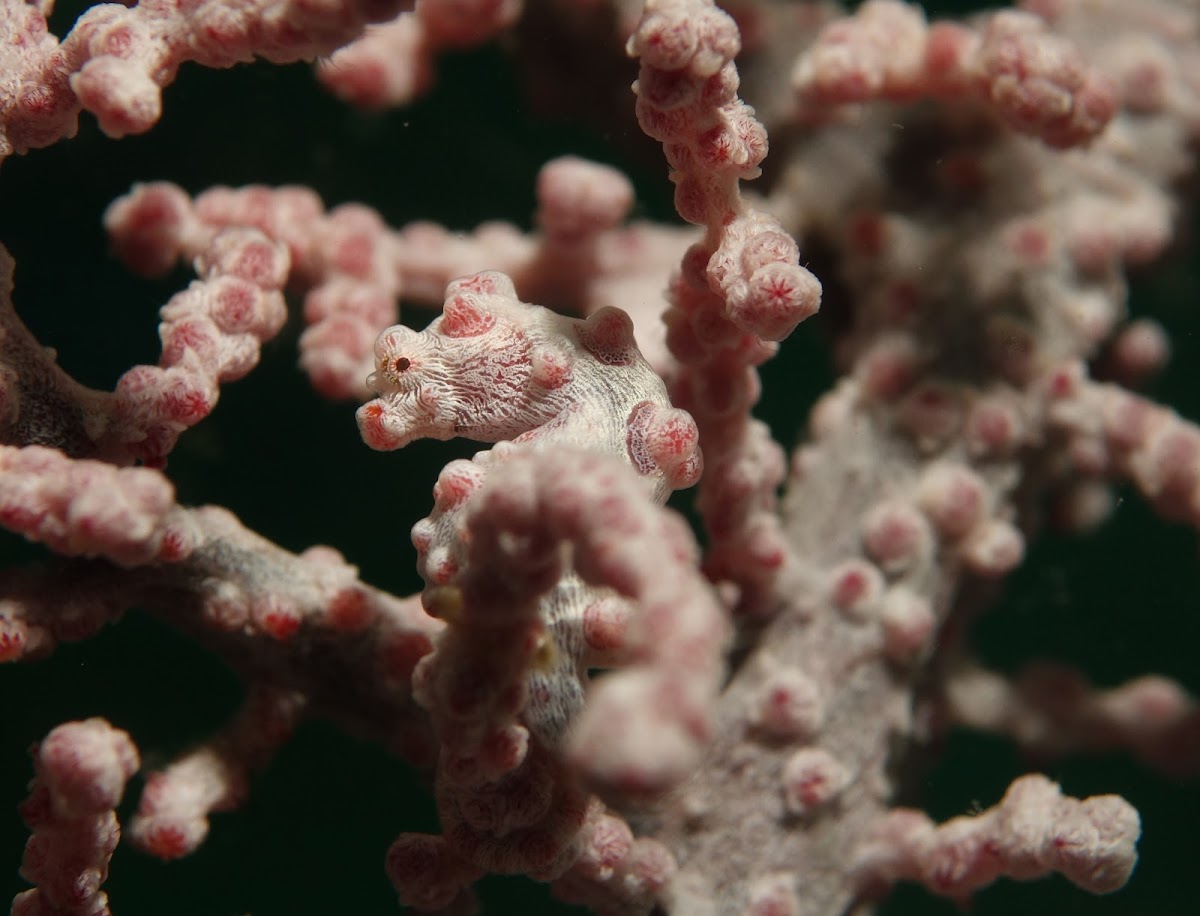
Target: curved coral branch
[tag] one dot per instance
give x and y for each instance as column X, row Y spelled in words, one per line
column 1033, row 831
column 392, row 63
column 82, row 769
column 116, row 61
column 740, row 289
column 506, row 803
column 1037, row 82
column 211, row 332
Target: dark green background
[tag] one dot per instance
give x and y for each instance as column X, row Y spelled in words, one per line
column 311, row 839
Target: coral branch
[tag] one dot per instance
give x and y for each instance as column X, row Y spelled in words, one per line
column 392, row 64
column 116, row 61
column 506, row 805
column 1112, row 432
column 211, row 333
column 353, row 269
column 1034, row 830
column 1052, row 710
column 82, row 769
column 172, row 815
column 262, row 608
column 89, row 508
column 1034, row 80
column 739, row 290
column 653, row 729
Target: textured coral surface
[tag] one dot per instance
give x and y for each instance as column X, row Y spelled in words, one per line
column 914, row 624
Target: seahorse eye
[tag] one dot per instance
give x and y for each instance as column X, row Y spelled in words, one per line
column 401, row 363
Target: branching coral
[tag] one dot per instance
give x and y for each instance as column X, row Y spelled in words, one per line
column 648, row 720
